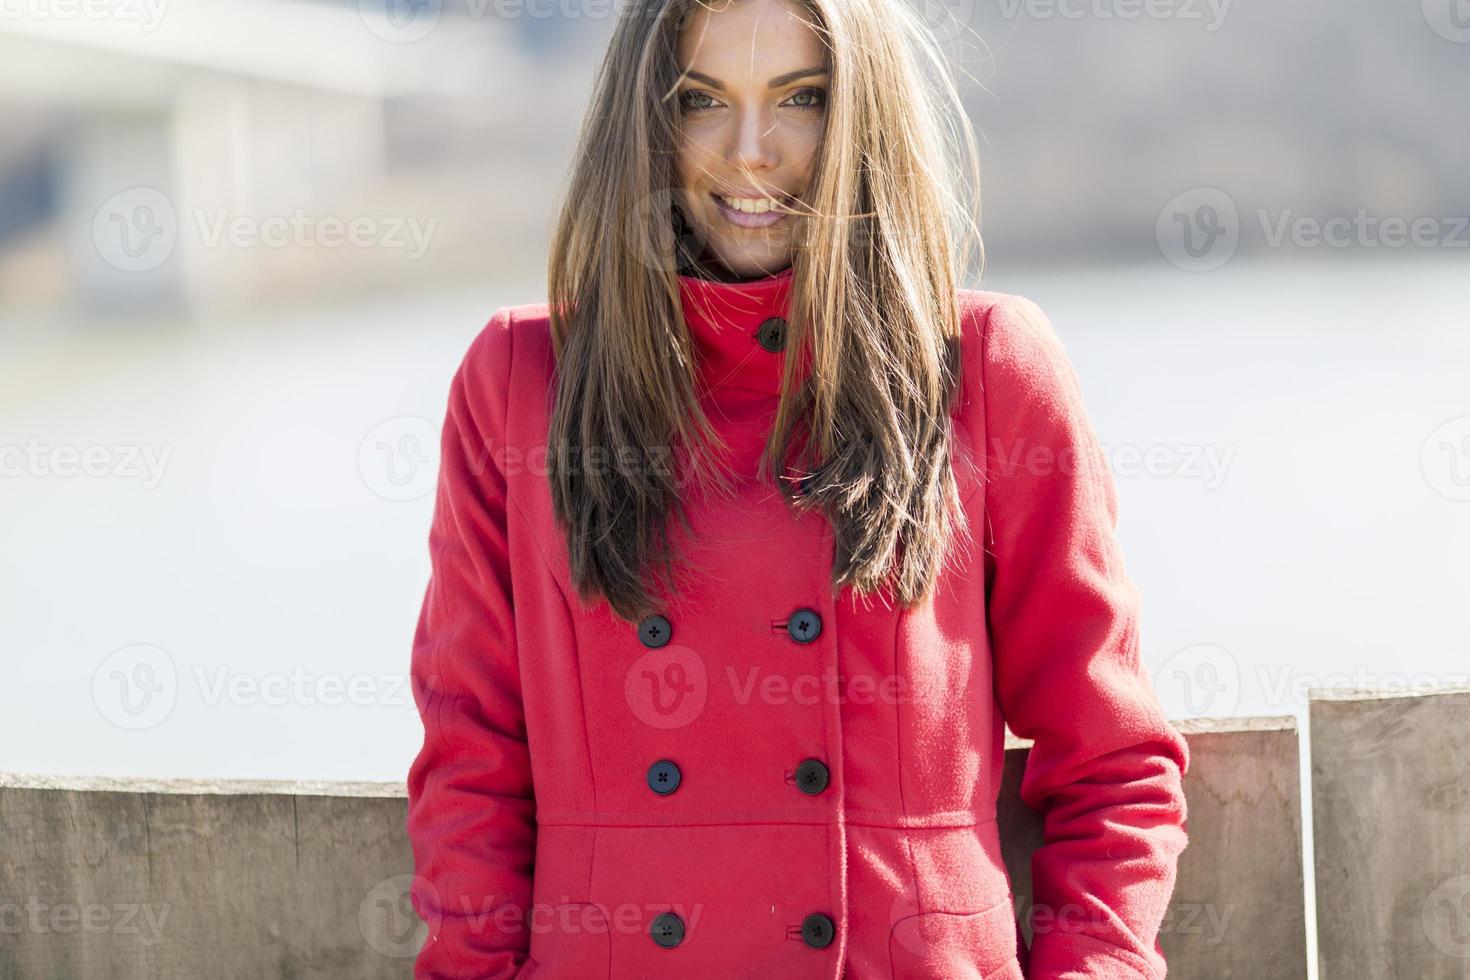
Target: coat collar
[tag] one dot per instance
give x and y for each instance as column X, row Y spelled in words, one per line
column 725, row 321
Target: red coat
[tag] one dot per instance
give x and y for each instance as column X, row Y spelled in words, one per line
column 770, row 780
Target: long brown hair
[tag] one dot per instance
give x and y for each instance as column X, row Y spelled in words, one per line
column 888, row 233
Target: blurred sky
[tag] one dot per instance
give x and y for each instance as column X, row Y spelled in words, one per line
column 244, row 243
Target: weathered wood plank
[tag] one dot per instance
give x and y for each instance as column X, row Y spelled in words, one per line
column 186, row 879
column 168, row 884
column 1391, row 834
column 1239, row 909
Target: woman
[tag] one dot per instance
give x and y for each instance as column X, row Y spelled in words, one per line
column 750, row 542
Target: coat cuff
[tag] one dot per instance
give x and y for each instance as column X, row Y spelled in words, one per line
column 1080, row 956
column 468, row 947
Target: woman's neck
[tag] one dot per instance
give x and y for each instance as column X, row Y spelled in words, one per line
column 718, row 272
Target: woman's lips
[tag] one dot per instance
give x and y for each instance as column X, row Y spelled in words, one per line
column 745, row 220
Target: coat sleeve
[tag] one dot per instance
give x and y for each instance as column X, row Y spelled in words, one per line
column 1105, row 767
column 471, row 812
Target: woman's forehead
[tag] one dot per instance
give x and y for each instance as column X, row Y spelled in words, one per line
column 749, row 42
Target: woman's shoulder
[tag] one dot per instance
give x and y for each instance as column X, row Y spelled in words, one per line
column 992, row 317
column 1006, row 329
column 1011, row 351
column 1004, row 336
column 502, row 359
column 518, row 335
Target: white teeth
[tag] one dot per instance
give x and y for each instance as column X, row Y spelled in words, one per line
column 751, row 205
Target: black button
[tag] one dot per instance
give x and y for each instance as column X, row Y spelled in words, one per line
column 668, row 930
column 654, row 631
column 804, row 625
column 811, row 776
column 817, row 931
column 772, row 334
column 663, row 777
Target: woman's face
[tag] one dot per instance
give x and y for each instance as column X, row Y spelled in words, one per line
column 753, row 106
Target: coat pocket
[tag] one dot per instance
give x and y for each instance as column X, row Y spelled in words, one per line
column 956, row 945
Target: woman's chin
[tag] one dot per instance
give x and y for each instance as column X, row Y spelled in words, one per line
column 748, row 263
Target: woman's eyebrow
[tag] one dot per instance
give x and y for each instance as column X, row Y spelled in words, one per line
column 776, row 82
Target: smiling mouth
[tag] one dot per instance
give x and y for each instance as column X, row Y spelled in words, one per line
column 752, row 212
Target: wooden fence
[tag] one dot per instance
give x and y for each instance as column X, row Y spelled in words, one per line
column 130, row 879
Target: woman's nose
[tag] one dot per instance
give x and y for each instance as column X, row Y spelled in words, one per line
column 754, row 139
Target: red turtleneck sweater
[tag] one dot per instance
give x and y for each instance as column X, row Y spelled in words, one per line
column 767, row 778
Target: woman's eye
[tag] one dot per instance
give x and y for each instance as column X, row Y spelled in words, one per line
column 691, row 99
column 815, row 98
column 694, row 100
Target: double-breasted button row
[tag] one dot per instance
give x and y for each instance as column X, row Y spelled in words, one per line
column 663, row 777
column 655, row 631
column 772, row 334
column 812, row 777
column 817, row 930
column 667, row 930
column 803, row 626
